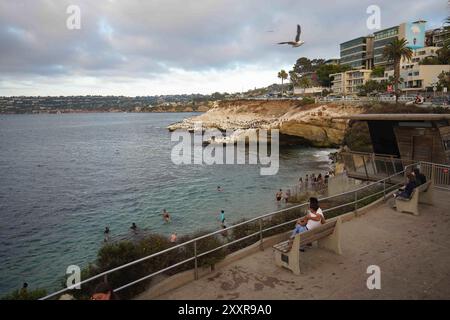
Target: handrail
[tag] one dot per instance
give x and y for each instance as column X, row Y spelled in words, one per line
column 435, row 164
column 264, row 216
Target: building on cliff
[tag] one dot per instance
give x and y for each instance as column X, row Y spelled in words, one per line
column 366, row 52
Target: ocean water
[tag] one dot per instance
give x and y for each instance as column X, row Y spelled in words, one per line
column 63, row 178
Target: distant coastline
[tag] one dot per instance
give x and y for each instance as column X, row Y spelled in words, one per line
column 187, row 110
column 158, row 109
column 90, row 104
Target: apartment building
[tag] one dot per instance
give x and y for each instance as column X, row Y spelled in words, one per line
column 413, row 32
column 347, row 83
column 357, row 53
column 415, row 76
column 436, row 37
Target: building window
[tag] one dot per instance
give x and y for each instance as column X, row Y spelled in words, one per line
column 447, row 144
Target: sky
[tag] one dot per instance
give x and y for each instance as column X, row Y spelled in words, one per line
column 157, row 47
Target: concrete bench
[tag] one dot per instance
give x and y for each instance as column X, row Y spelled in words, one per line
column 421, row 194
column 327, row 236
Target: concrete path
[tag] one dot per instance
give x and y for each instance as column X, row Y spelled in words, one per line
column 412, row 252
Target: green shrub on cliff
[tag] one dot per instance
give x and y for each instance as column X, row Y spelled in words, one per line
column 357, row 137
column 117, row 254
column 25, row 295
column 306, row 101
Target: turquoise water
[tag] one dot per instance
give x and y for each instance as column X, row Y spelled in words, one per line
column 63, row 178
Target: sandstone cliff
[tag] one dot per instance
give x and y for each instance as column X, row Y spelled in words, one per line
column 314, row 124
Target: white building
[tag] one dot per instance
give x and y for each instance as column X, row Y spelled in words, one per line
column 348, row 82
column 416, row 76
column 308, row 91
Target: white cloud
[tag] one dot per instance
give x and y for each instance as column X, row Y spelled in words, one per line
column 175, row 46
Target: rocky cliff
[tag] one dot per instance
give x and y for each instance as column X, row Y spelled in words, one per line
column 312, row 124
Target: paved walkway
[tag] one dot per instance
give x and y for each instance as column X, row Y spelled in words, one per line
column 412, row 252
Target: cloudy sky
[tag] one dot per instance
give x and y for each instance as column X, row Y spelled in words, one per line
column 137, row 47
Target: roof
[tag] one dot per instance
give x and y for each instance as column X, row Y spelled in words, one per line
column 398, row 117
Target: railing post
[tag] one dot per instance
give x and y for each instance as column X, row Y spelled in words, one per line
column 356, row 201
column 195, row 261
column 384, row 189
column 432, row 174
column 261, row 247
column 365, row 167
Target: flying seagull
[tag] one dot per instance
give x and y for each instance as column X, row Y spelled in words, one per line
column 297, row 42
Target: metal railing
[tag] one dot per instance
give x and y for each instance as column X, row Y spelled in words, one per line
column 438, row 173
column 332, row 206
column 372, row 166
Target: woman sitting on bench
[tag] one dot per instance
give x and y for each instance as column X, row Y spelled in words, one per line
column 312, row 220
column 409, row 187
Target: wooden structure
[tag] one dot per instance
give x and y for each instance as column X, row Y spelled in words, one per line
column 417, row 137
column 327, row 235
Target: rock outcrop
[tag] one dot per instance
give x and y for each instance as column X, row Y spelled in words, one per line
column 316, row 125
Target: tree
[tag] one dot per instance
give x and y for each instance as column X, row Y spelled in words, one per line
column 283, row 76
column 377, row 72
column 303, row 65
column 372, row 87
column 444, row 80
column 294, row 77
column 304, row 82
column 395, row 51
column 324, row 71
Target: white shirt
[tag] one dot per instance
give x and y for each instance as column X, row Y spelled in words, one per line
column 314, row 224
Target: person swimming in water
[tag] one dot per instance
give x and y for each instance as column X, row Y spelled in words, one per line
column 219, row 189
column 279, row 195
column 133, row 227
column 166, row 216
column 106, row 233
column 222, row 216
column 173, row 237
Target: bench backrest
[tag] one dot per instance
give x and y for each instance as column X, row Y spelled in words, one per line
column 424, row 187
column 317, row 233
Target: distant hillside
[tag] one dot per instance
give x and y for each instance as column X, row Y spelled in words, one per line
column 82, row 104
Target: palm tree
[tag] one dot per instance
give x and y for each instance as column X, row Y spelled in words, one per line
column 283, row 76
column 395, row 52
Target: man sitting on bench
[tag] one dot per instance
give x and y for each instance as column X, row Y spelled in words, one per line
column 420, row 177
column 312, row 220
